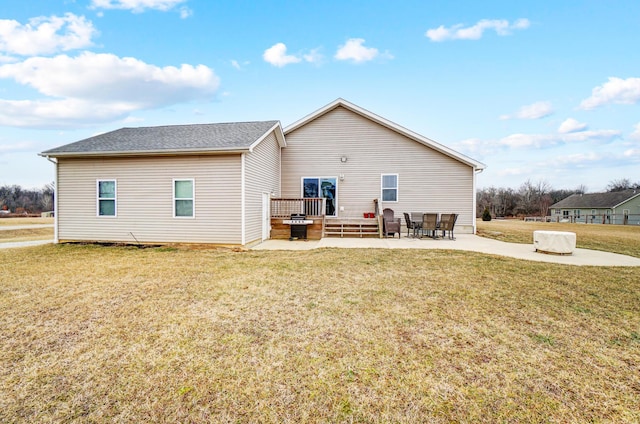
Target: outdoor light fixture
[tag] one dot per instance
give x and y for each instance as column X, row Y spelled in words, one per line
column 343, row 159
column 341, row 177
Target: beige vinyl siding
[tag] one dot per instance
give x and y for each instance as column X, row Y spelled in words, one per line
column 262, row 175
column 145, row 199
column 428, row 181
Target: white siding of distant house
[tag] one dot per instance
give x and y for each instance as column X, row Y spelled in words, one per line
column 145, row 199
column 262, row 175
column 429, row 181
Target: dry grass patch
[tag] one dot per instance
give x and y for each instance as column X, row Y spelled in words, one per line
column 30, row 234
column 92, row 334
column 623, row 239
column 25, row 221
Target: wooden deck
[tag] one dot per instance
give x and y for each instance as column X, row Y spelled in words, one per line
column 322, row 226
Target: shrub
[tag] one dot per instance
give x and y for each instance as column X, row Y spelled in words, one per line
column 486, row 215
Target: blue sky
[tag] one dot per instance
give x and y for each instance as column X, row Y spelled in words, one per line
column 537, row 90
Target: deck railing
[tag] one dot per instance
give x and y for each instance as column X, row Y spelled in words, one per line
column 284, row 208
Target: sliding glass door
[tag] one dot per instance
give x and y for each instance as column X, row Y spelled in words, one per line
column 322, row 187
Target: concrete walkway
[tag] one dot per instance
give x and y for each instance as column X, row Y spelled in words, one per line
column 467, row 242
column 24, row 227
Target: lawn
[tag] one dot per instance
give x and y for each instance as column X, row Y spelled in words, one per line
column 624, row 239
column 103, row 334
column 30, row 234
column 25, row 221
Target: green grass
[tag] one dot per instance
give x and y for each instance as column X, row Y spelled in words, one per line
column 103, row 334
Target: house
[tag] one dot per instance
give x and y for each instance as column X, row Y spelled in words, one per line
column 224, row 183
column 617, row 207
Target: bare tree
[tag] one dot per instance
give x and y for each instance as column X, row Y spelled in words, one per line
column 619, row 185
column 534, row 198
column 581, row 189
column 622, row 184
column 48, row 193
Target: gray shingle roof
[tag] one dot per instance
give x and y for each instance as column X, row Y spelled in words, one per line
column 168, row 139
column 596, row 200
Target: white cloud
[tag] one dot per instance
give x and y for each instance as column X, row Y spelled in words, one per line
column 239, row 66
column 635, row 135
column 577, row 159
column 354, row 50
column 616, row 90
column 277, row 56
column 470, row 145
column 510, row 172
column 185, row 12
column 632, row 154
column 533, row 111
column 571, row 125
column 459, row 32
column 547, row 140
column 137, row 6
column 99, row 87
column 44, row 35
column 313, row 56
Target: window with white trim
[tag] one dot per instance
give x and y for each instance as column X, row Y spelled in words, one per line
column 106, row 197
column 183, row 198
column 389, row 187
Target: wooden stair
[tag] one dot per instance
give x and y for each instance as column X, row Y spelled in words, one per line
column 351, row 227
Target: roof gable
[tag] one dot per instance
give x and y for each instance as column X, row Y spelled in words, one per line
column 388, row 124
column 597, row 200
column 172, row 139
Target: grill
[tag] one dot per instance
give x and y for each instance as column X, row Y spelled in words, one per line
column 298, row 223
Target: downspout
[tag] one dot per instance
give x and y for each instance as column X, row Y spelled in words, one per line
column 55, row 199
column 475, row 198
column 242, row 200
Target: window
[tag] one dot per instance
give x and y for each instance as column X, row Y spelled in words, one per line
column 322, row 188
column 106, row 197
column 183, row 198
column 565, row 214
column 576, row 213
column 389, row 187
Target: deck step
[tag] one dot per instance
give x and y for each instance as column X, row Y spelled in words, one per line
column 351, row 228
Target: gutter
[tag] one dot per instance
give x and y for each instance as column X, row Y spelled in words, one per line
column 48, row 154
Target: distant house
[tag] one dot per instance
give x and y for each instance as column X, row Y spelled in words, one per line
column 221, row 183
column 618, row 207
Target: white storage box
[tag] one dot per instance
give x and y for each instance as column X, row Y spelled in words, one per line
column 561, row 242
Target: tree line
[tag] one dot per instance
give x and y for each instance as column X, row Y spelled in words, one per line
column 17, row 200
column 533, row 198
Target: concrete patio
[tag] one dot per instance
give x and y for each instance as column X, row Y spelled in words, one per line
column 466, row 242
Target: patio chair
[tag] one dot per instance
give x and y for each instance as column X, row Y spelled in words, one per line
column 447, row 223
column 390, row 225
column 412, row 223
column 430, row 224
